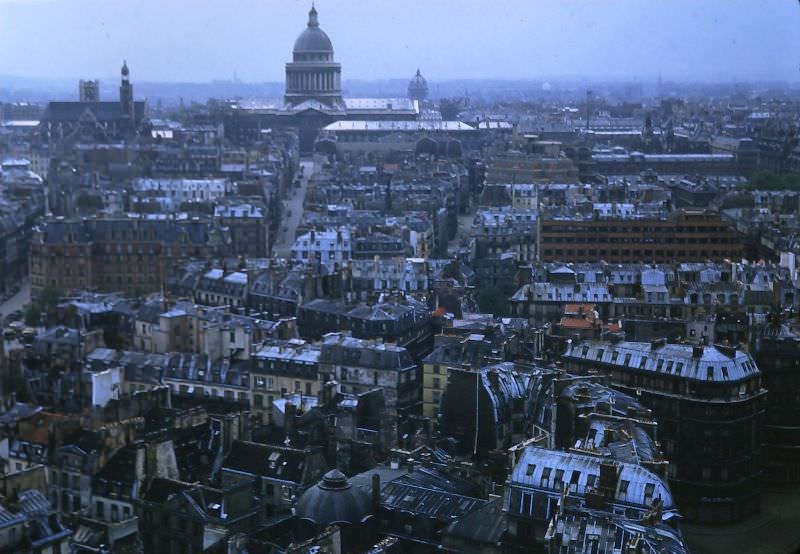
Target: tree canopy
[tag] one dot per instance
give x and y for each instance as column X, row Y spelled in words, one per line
column 766, row 180
column 492, row 300
column 48, row 297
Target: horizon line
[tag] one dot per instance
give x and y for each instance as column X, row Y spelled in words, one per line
column 551, row 79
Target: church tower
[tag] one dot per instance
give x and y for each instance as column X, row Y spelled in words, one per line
column 89, row 91
column 126, row 96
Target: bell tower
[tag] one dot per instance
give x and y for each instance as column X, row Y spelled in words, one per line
column 126, row 96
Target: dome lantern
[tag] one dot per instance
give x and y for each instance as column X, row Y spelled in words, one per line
column 312, row 17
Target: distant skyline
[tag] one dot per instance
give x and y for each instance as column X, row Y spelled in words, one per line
column 206, row 40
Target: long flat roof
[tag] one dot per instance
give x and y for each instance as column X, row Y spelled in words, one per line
column 397, row 125
column 368, row 105
column 380, row 104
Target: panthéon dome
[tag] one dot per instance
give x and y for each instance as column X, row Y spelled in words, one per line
column 313, row 78
column 313, row 39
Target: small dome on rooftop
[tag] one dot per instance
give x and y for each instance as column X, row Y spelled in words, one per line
column 418, row 87
column 332, row 500
column 335, row 501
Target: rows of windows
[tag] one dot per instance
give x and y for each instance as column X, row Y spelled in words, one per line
column 227, row 394
column 575, row 226
column 634, row 254
column 114, row 512
column 634, row 239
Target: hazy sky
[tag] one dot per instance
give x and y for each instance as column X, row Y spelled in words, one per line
column 202, row 40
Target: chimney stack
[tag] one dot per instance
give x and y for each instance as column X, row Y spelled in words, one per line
column 288, row 419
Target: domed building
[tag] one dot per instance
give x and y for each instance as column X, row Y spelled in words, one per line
column 334, row 501
column 312, row 98
column 312, row 74
column 418, row 87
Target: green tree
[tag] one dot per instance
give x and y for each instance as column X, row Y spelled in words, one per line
column 33, row 314
column 766, row 180
column 492, row 300
column 49, row 296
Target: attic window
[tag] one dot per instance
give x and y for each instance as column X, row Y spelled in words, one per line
column 710, row 372
column 679, row 368
column 643, row 362
column 574, row 480
column 545, row 482
column 724, row 372
column 530, row 470
column 649, row 488
column 623, row 487
column 585, row 352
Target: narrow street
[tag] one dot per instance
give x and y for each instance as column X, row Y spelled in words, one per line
column 464, row 226
column 294, row 205
column 18, row 301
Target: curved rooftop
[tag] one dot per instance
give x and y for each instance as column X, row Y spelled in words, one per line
column 334, row 500
column 418, row 87
column 701, row 363
column 635, row 485
column 313, row 39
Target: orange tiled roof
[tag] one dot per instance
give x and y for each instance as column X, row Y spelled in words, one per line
column 576, row 308
column 36, row 428
column 576, row 323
